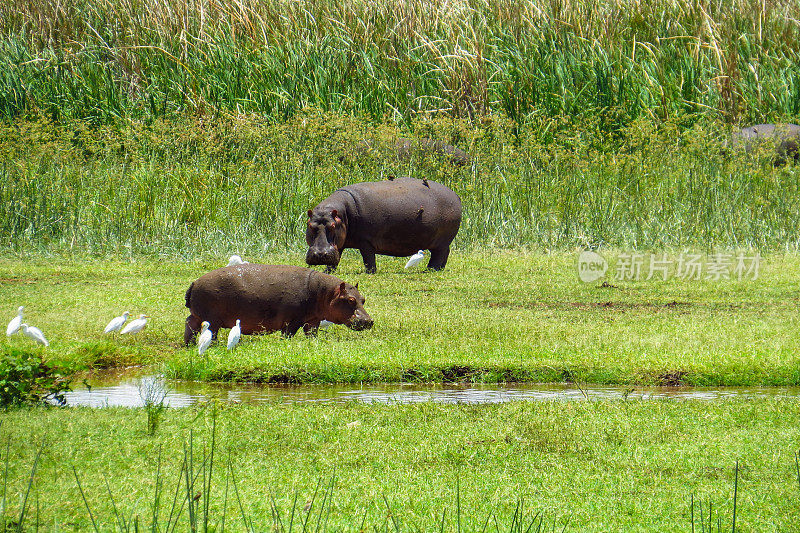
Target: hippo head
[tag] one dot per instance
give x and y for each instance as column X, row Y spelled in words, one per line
column 347, row 307
column 325, row 235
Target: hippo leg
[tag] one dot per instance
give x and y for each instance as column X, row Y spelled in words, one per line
column 192, row 328
column 368, row 255
column 309, row 330
column 330, row 269
column 290, row 328
column 438, row 258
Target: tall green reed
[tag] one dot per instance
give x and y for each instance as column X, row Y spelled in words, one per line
column 398, row 59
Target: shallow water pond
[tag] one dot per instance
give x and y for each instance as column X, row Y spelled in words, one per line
column 122, row 390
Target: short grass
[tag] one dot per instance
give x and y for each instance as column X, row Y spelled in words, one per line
column 600, row 466
column 492, row 315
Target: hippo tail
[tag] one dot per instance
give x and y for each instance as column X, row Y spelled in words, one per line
column 189, row 295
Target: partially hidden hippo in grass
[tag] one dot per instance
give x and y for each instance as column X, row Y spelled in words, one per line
column 407, row 149
column 782, row 139
column 397, row 217
column 266, row 298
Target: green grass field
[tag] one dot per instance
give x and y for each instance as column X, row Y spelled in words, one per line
column 490, row 316
column 142, row 142
column 595, row 466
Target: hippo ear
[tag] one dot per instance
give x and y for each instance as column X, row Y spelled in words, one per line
column 341, row 289
column 334, row 213
column 310, row 213
column 356, row 285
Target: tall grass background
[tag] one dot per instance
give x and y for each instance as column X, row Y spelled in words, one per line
column 184, row 127
column 195, row 187
column 105, row 59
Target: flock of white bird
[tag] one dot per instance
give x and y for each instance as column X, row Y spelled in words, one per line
column 35, row 334
column 137, row 325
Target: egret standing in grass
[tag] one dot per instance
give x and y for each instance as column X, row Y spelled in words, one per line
column 204, row 340
column 236, row 260
column 234, row 335
column 13, row 326
column 415, row 259
column 116, row 323
column 34, row 333
column 135, row 326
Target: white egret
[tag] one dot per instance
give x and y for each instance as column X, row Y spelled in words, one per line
column 234, row 335
column 135, row 326
column 236, row 260
column 116, row 323
column 34, row 333
column 415, row 259
column 13, row 326
column 324, row 323
column 204, row 340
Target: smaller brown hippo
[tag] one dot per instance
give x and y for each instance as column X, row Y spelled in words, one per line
column 783, row 139
column 268, row 298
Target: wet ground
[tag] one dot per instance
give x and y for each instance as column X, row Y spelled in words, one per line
column 122, row 390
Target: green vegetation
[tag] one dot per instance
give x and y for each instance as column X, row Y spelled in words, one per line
column 106, row 60
column 190, row 189
column 142, row 142
column 26, row 378
column 600, row 466
column 490, row 316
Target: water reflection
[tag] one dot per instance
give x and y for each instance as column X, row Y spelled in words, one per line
column 132, row 392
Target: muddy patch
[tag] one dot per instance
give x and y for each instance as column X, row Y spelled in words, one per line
column 674, row 378
column 607, row 305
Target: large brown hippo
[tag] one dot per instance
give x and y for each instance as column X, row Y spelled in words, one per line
column 397, row 217
column 268, row 298
column 784, row 139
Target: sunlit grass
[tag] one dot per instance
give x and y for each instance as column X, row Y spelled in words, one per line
column 598, row 466
column 490, row 316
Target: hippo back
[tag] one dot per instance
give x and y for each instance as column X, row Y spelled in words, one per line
column 400, row 216
column 784, row 139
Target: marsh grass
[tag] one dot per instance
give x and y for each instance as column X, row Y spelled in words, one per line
column 706, row 519
column 184, row 189
column 108, row 60
column 153, row 393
